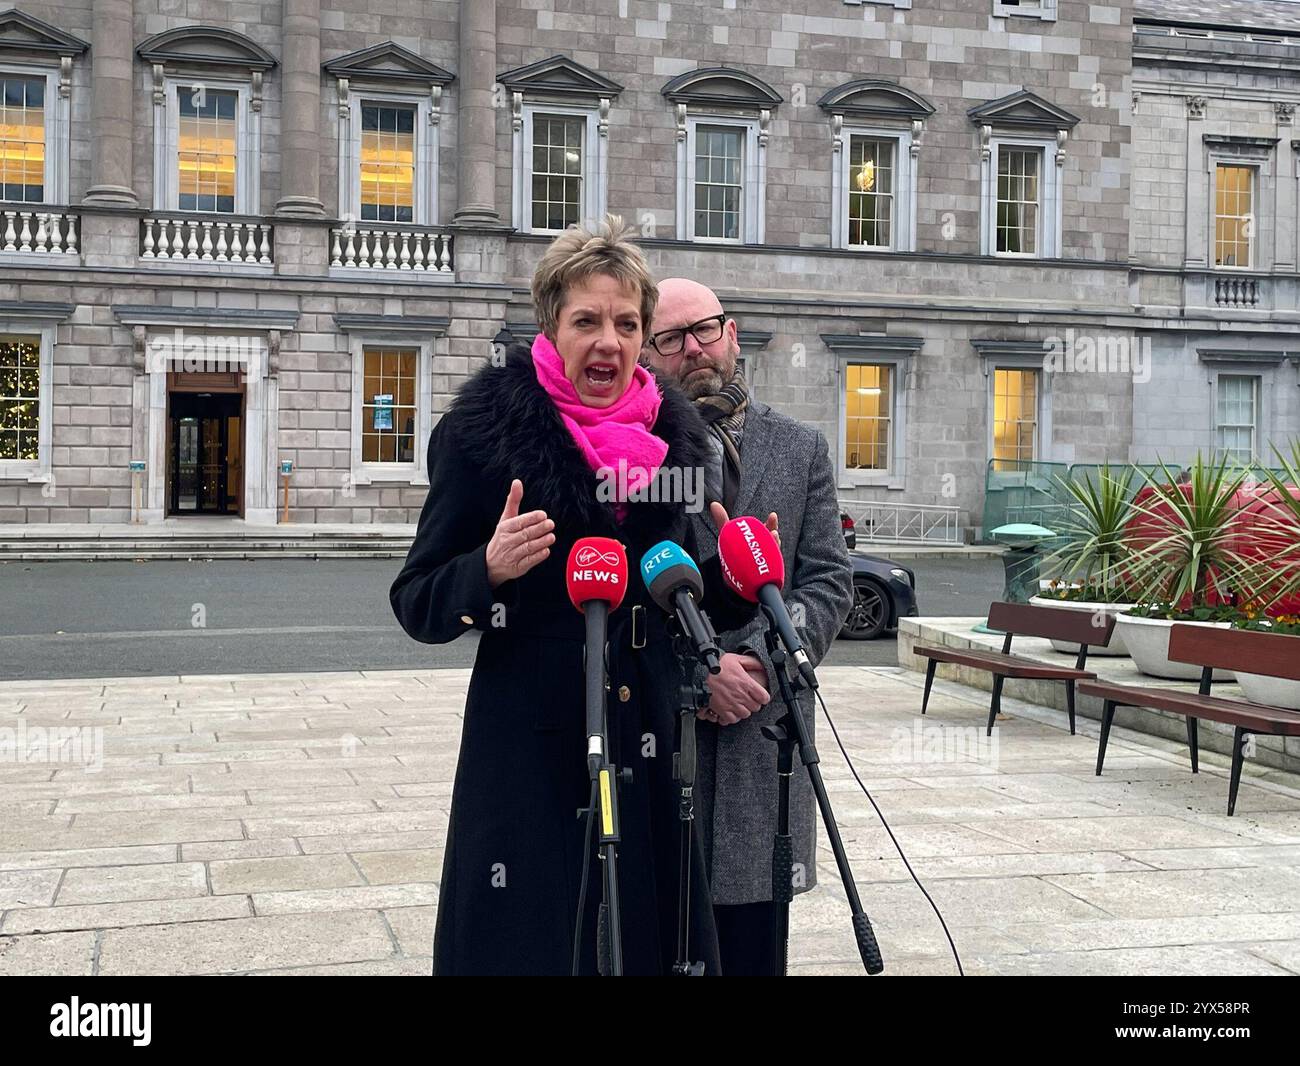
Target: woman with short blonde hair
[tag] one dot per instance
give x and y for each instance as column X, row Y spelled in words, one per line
column 542, row 433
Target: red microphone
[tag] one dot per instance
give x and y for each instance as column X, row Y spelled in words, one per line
column 597, row 573
column 596, row 576
column 753, row 566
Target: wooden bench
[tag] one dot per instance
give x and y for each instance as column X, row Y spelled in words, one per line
column 1019, row 619
column 1232, row 649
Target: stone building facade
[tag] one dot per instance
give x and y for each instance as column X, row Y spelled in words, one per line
column 242, row 234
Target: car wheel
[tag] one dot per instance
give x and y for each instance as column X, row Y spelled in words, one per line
column 869, row 615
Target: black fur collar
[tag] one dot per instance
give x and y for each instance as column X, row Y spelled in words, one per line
column 508, row 425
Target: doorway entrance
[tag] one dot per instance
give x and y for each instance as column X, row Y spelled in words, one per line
column 205, row 453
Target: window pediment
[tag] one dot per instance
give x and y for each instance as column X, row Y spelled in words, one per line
column 205, row 46
column 560, row 76
column 1023, row 110
column 722, row 87
column 388, row 62
column 21, row 32
column 872, row 98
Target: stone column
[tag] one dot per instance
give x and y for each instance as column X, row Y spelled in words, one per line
column 300, row 112
column 1200, row 179
column 476, row 178
column 112, row 159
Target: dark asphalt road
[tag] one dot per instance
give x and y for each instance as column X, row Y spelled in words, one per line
column 111, row 619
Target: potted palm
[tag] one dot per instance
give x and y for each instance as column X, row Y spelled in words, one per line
column 1091, row 564
column 1185, row 561
column 1275, row 540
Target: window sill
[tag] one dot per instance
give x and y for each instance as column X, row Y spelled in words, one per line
column 31, row 473
column 1043, row 15
column 406, row 475
column 865, row 481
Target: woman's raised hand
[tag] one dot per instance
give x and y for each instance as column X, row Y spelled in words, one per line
column 520, row 542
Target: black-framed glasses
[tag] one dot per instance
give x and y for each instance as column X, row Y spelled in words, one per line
column 672, row 341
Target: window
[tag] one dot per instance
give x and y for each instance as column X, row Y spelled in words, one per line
column 388, row 407
column 387, row 162
column 560, row 168
column 392, row 396
column 389, row 117
column 1237, row 417
column 26, row 400
column 20, row 399
column 1018, row 200
column 22, row 139
column 868, row 417
column 871, row 192
column 558, row 155
column 1037, row 9
column 206, row 149
column 1234, row 226
column 719, row 182
column 1015, row 417
column 722, row 188
column 1022, row 180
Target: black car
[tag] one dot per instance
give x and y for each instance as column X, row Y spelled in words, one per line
column 883, row 592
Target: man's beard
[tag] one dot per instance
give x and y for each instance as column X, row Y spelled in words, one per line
column 711, row 378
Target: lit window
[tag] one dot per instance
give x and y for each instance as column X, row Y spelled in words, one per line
column 207, row 149
column 1015, row 418
column 558, row 151
column 719, row 181
column 871, row 192
column 1017, row 225
column 388, row 413
column 22, row 139
column 20, row 381
column 387, row 163
column 1233, row 218
column 1238, row 406
column 868, row 421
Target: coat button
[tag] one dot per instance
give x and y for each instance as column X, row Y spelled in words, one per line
column 467, row 619
column 624, row 693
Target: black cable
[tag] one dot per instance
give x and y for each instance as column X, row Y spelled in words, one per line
column 586, row 873
column 879, row 814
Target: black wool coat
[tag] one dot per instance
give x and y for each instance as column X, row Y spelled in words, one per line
column 509, row 891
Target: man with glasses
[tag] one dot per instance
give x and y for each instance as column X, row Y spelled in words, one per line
column 766, row 464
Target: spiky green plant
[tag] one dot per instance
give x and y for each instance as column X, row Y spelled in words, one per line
column 1095, row 551
column 1277, row 575
column 1185, row 544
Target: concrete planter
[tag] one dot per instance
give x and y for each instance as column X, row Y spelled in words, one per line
column 1115, row 646
column 1274, row 691
column 1147, row 640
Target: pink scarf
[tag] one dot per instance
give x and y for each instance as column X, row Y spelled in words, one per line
column 608, row 437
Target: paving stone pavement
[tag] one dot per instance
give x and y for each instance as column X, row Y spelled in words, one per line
column 295, row 824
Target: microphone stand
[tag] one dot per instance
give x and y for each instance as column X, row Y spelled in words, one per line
column 790, row 732
column 605, row 782
column 694, row 697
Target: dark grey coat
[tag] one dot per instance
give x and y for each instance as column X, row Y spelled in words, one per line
column 786, row 468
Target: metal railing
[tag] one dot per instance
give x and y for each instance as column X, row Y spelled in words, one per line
column 37, row 232
column 378, row 247
column 207, row 239
column 904, row 523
